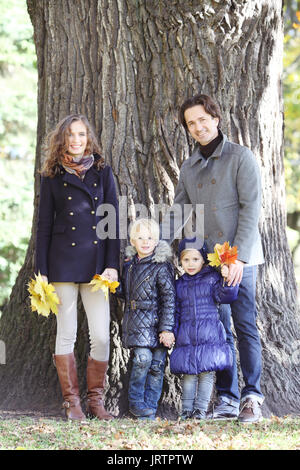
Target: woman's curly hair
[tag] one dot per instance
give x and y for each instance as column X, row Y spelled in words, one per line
column 56, row 144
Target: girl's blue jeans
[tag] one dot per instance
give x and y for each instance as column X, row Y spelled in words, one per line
column 196, row 391
column 146, row 379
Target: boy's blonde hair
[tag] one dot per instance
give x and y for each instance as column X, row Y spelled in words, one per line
column 149, row 224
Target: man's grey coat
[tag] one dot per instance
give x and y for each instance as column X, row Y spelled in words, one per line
column 228, row 186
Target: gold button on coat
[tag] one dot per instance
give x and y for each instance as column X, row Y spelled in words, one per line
column 71, row 213
column 65, row 184
column 73, row 244
column 73, row 228
column 95, row 242
column 92, row 212
column 70, row 198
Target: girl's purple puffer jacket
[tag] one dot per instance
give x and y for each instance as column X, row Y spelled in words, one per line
column 200, row 335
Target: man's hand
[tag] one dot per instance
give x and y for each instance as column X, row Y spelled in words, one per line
column 235, row 273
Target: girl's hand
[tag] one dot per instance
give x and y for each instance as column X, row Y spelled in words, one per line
column 45, row 278
column 111, row 274
column 225, row 271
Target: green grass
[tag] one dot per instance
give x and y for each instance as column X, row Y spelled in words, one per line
column 126, row 434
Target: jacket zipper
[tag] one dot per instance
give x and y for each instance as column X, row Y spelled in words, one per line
column 142, row 281
column 128, row 283
column 195, row 316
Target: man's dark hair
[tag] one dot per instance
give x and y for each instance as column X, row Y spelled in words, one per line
column 208, row 104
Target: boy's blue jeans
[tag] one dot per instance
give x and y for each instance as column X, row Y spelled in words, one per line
column 196, row 391
column 243, row 313
column 146, row 379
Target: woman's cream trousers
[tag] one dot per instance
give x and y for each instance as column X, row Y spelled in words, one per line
column 98, row 316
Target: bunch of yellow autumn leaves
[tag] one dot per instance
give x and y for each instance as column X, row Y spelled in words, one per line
column 44, row 299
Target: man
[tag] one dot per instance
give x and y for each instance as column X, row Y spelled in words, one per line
column 224, row 177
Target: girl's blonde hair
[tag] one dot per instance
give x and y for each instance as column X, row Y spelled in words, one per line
column 56, row 144
column 149, row 224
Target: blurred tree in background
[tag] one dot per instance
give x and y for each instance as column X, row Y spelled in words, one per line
column 16, row 208
column 291, row 90
column 18, row 81
column 18, row 116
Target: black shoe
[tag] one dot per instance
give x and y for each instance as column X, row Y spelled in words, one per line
column 199, row 414
column 186, row 414
column 151, row 417
column 135, row 411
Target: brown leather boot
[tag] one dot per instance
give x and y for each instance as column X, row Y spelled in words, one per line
column 67, row 374
column 96, row 372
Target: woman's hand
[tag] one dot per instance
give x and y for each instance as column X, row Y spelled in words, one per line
column 110, row 273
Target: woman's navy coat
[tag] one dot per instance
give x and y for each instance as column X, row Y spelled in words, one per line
column 68, row 248
column 200, row 335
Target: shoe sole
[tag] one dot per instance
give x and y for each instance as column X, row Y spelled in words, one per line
column 222, row 418
column 259, row 420
column 145, row 415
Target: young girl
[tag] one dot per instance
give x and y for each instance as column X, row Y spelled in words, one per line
column 149, row 292
column 75, row 182
column 200, row 336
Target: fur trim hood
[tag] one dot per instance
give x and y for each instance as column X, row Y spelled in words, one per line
column 162, row 252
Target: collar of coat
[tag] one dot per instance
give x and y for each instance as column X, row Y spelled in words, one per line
column 196, row 155
column 92, row 175
column 205, row 270
column 161, row 254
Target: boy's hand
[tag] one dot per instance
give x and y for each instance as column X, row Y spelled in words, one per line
column 167, row 338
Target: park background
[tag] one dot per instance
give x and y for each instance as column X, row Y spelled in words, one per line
column 18, row 125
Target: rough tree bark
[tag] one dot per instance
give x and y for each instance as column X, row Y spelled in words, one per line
column 128, row 65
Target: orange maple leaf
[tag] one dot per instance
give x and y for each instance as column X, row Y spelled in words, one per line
column 228, row 254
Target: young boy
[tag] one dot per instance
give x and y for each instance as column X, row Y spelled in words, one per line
column 149, row 292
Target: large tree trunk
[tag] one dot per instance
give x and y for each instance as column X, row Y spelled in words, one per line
column 128, row 65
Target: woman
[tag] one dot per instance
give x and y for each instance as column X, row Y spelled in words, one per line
column 70, row 251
